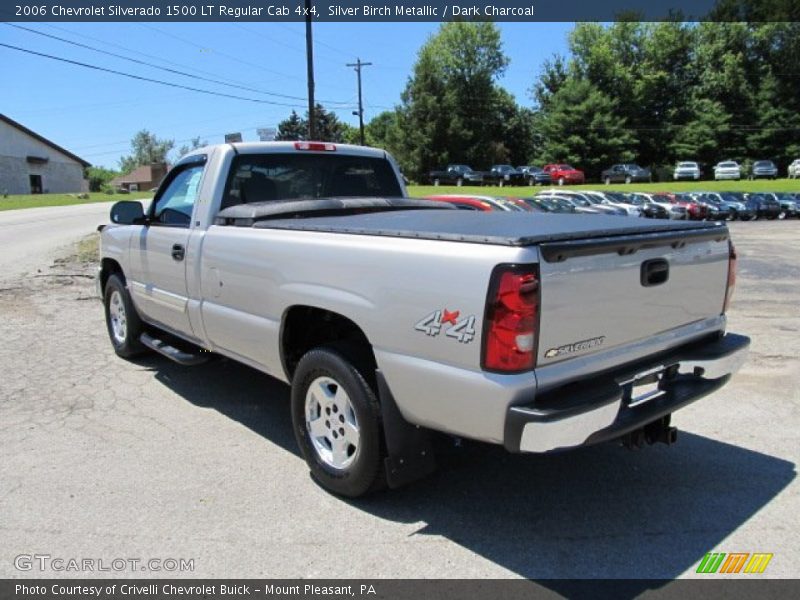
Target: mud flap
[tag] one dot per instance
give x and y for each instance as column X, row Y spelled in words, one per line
column 410, row 454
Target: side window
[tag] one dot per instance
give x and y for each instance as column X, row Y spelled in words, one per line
column 174, row 206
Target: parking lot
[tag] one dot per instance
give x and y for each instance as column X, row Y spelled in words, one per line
column 107, row 459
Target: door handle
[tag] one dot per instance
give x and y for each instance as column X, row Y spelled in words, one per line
column 178, row 251
column 654, row 272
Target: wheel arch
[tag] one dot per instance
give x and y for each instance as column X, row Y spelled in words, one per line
column 109, row 267
column 304, row 327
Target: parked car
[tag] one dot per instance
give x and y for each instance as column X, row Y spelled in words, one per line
column 535, row 175
column 607, row 199
column 504, row 175
column 481, row 203
column 793, row 170
column 787, row 202
column 715, row 209
column 649, row 209
column 727, row 169
column 687, row 169
column 764, row 169
column 549, row 204
column 456, row 175
column 595, row 202
column 563, row 174
column 735, row 208
column 625, row 173
column 675, row 210
column 579, row 205
column 765, row 207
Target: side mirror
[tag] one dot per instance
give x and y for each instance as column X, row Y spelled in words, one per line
column 127, row 212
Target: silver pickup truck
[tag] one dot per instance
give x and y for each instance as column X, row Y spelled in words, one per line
column 392, row 317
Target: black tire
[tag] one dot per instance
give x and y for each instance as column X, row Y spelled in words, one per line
column 345, row 368
column 116, row 298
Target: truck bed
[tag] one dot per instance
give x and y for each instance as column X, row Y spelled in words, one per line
column 505, row 229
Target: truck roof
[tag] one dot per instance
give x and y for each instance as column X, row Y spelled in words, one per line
column 283, row 147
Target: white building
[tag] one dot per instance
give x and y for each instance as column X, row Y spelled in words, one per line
column 32, row 164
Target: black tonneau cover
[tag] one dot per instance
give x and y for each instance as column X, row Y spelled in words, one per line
column 247, row 214
column 563, row 234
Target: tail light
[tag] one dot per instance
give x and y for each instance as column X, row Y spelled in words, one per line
column 732, row 258
column 512, row 319
column 315, row 146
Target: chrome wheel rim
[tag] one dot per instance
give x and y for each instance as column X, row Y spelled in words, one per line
column 119, row 320
column 331, row 423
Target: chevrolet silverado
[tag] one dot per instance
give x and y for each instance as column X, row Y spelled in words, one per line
column 392, row 317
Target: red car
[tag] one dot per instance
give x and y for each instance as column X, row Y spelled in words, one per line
column 482, row 203
column 694, row 209
column 563, row 174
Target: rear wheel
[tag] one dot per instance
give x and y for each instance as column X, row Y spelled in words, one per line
column 122, row 321
column 337, row 424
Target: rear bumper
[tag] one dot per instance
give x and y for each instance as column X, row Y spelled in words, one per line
column 601, row 409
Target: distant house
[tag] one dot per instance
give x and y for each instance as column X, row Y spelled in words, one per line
column 142, row 178
column 32, row 164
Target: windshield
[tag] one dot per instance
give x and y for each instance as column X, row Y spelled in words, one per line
column 266, row 177
column 565, row 168
column 687, row 165
column 727, row 165
column 762, row 163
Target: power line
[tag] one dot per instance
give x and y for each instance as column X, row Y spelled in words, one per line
column 154, row 66
column 141, row 78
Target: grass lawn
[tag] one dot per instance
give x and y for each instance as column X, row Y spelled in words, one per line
column 761, row 185
column 36, row 200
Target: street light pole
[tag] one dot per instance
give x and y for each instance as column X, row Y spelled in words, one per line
column 357, row 65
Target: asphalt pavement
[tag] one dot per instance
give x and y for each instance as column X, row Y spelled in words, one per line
column 104, row 458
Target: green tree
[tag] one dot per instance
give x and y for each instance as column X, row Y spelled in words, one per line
column 146, row 149
column 193, row 144
column 582, row 127
column 328, row 127
column 292, row 129
column 99, row 178
column 449, row 109
column 702, row 137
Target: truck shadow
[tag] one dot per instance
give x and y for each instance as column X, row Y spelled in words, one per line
column 600, row 512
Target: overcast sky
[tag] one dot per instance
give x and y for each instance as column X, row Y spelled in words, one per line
column 94, row 114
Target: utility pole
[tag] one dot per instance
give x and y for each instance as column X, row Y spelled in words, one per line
column 357, row 65
column 312, row 125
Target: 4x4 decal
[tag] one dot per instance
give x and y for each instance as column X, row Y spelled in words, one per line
column 462, row 330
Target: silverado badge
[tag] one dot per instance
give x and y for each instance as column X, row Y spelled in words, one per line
column 575, row 347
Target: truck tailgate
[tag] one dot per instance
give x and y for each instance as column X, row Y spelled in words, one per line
column 598, row 294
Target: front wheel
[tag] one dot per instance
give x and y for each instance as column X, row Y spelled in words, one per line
column 122, row 321
column 337, row 424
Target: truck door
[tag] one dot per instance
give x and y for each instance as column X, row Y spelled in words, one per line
column 161, row 292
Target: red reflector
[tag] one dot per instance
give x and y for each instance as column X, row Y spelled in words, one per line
column 512, row 314
column 732, row 260
column 315, row 146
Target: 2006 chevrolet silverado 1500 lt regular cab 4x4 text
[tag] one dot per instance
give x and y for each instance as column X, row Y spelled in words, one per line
column 391, row 317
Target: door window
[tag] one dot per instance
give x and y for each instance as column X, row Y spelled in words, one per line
column 174, row 206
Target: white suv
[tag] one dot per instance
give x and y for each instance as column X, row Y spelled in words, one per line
column 793, row 172
column 687, row 170
column 728, row 170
